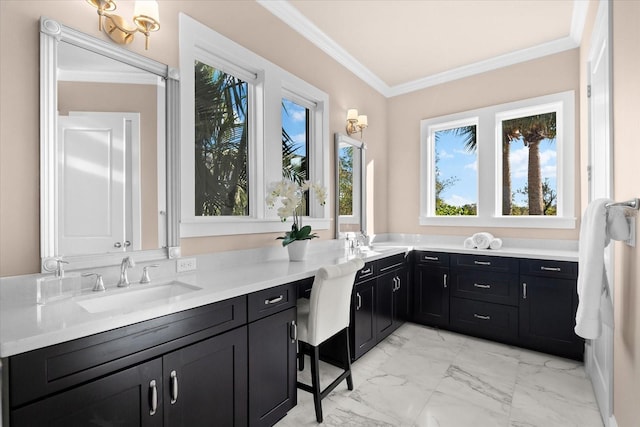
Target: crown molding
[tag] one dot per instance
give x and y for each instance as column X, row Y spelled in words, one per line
column 283, row 10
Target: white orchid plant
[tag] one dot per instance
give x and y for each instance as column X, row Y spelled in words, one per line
column 290, row 194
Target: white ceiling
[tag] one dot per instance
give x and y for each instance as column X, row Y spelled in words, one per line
column 398, row 46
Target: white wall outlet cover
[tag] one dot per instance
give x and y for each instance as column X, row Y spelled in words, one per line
column 185, row 264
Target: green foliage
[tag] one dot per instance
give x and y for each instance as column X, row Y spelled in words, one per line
column 549, row 198
column 345, row 181
column 302, row 234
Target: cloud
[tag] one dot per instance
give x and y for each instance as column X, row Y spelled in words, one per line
column 300, row 138
column 473, row 165
column 298, row 115
column 456, row 200
column 519, row 162
column 465, row 152
column 444, row 155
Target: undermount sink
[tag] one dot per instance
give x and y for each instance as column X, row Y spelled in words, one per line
column 128, row 298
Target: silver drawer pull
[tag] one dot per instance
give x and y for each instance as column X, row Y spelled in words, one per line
column 482, row 262
column 174, row 387
column 431, row 258
column 364, row 272
column 153, row 397
column 481, row 285
column 273, row 300
column 543, row 268
column 444, row 281
column 524, row 290
column 480, row 316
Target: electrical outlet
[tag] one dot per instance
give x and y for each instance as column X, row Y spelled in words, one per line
column 186, row 264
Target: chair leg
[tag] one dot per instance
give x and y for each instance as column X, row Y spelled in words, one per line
column 347, row 366
column 315, row 381
column 301, row 352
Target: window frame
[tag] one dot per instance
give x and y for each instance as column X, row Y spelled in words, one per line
column 268, row 84
column 489, row 150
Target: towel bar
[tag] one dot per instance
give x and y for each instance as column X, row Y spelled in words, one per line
column 632, row 204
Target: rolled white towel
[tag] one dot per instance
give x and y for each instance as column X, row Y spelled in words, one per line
column 496, row 243
column 468, row 243
column 617, row 225
column 482, row 240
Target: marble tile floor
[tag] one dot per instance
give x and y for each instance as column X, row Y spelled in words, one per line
column 421, row 376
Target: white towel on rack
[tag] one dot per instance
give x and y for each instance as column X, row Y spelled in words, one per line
column 617, row 225
column 592, row 278
column 482, row 240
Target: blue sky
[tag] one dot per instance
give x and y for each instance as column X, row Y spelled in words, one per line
column 457, row 162
column 294, row 122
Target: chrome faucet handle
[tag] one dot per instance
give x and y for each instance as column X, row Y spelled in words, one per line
column 99, row 285
column 59, row 269
column 145, row 273
column 127, row 262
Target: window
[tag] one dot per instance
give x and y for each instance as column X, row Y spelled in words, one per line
column 345, row 181
column 234, row 144
column 509, row 165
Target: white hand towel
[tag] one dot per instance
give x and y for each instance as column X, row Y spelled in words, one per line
column 495, row 244
column 468, row 243
column 482, row 240
column 617, row 225
column 592, row 278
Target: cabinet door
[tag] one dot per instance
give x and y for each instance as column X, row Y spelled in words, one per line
column 363, row 322
column 401, row 297
column 272, row 368
column 126, row 398
column 547, row 315
column 385, row 292
column 206, row 383
column 431, row 295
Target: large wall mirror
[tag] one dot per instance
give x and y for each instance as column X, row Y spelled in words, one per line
column 108, row 125
column 350, row 185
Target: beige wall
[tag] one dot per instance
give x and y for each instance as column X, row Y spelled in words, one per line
column 626, row 113
column 245, row 22
column 551, row 74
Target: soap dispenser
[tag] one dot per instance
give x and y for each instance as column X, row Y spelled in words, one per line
column 58, row 286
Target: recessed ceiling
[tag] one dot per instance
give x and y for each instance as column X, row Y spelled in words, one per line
column 402, row 45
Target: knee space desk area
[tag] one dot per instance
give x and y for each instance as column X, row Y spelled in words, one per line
column 227, row 352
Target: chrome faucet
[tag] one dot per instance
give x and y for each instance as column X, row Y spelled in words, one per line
column 127, row 262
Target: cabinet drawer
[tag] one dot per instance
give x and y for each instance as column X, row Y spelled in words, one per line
column 50, row 369
column 366, row 272
column 434, row 258
column 304, row 287
column 390, row 263
column 483, row 262
column 485, row 286
column 484, row 319
column 549, row 268
column 273, row 300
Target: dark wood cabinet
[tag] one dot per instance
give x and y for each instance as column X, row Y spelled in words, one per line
column 125, row 398
column 206, row 383
column 363, row 318
column 548, row 304
column 272, row 368
column 272, row 352
column 431, row 289
column 391, row 302
column 194, row 386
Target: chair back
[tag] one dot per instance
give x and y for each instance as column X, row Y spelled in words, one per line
column 330, row 300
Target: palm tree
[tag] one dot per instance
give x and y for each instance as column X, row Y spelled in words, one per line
column 532, row 130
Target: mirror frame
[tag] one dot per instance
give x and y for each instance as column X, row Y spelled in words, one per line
column 340, row 138
column 51, row 34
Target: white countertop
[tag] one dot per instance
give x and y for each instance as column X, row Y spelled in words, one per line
column 26, row 326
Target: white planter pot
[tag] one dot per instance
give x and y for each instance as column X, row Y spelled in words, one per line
column 298, row 250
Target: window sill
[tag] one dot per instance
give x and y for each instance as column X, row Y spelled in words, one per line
column 200, row 227
column 502, row 221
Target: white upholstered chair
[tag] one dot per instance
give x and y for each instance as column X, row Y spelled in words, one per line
column 322, row 316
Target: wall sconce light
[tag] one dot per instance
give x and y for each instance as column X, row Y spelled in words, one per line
column 356, row 123
column 146, row 18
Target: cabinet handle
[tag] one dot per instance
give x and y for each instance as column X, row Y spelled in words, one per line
column 359, row 304
column 524, row 290
column 482, row 262
column 431, row 258
column 481, row 285
column 399, row 283
column 273, row 300
column 480, row 316
column 543, row 268
column 445, row 280
column 366, row 272
column 174, row 387
column 153, row 397
column 117, row 245
column 293, row 331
